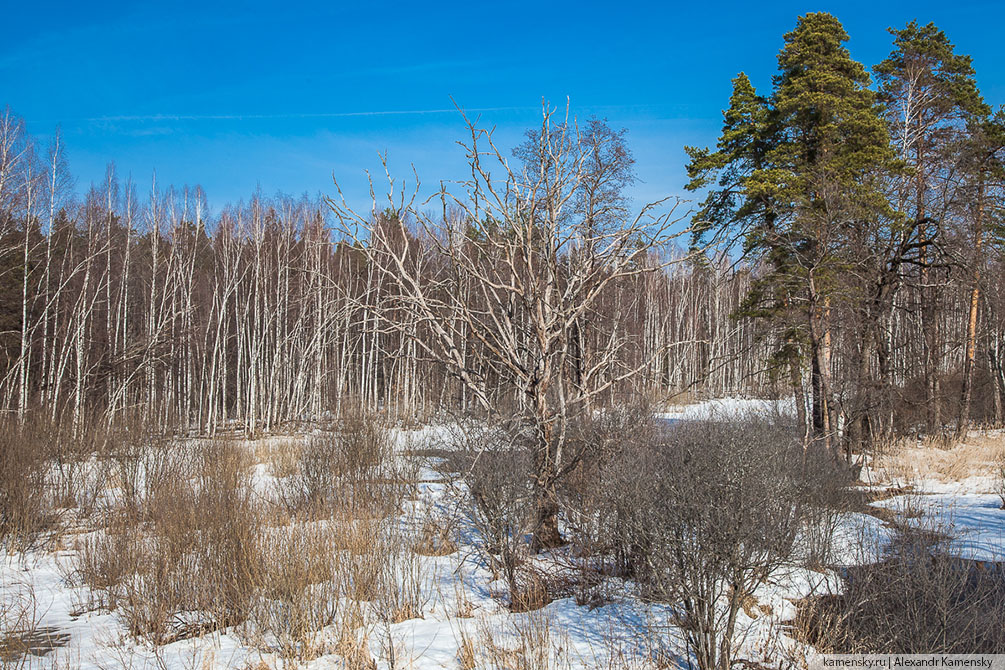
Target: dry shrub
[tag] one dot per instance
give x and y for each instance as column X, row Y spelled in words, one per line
column 404, row 589
column 47, row 471
column 918, row 599
column 105, row 559
column 355, row 652
column 531, row 593
column 316, row 577
column 136, row 457
column 463, row 607
column 434, row 538
column 186, row 539
column 78, row 473
column 281, row 454
column 27, row 508
column 467, row 654
column 299, row 590
column 351, row 466
column 501, row 510
column 20, row 620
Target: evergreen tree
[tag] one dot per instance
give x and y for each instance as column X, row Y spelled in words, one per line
column 740, row 152
column 801, row 181
column 932, row 106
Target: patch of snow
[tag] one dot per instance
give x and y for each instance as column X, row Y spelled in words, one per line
column 726, row 408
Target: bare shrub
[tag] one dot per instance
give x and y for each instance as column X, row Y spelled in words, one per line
column 137, row 457
column 365, row 443
column 495, row 462
column 708, row 513
column 321, row 580
column 105, row 559
column 27, row 509
column 825, row 490
column 77, row 473
column 918, row 599
column 350, row 466
column 593, row 518
column 501, row 511
column 362, row 578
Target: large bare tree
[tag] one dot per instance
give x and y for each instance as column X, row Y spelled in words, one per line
column 517, row 259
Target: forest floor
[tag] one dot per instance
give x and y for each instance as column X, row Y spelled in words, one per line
column 458, row 617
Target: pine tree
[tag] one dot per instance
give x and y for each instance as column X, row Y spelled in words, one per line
column 740, row 152
column 800, row 181
column 932, row 104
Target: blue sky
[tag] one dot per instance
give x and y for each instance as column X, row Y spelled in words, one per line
column 233, row 96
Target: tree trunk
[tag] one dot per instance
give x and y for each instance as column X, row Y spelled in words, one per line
column 971, row 345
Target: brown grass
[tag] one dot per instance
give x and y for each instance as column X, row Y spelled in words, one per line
column 532, row 643
column 434, row 538
column 910, row 460
column 280, row 453
column 172, row 536
column 189, row 546
column 28, row 510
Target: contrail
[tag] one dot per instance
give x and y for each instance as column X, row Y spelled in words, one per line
column 322, row 115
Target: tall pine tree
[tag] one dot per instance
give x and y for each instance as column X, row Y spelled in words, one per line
column 932, row 106
column 800, row 179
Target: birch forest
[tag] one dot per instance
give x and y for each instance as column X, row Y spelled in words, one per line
column 522, row 419
column 130, row 299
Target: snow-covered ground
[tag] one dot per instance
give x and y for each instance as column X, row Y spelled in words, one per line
column 965, row 511
column 725, row 408
column 464, row 622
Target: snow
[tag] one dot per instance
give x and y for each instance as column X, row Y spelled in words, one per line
column 726, row 408
column 459, row 589
column 974, row 521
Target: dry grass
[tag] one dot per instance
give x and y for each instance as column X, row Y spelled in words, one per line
column 680, row 399
column 434, row 538
column 19, row 625
column 281, row 454
column 28, row 506
column 299, row 593
column 185, row 540
column 531, row 642
column 189, row 546
column 999, row 477
column 911, row 460
column 917, row 599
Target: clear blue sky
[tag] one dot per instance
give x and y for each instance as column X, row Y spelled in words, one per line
column 246, row 94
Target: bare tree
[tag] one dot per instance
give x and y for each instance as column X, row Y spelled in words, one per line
column 511, row 262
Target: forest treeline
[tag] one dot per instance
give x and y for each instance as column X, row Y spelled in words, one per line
column 263, row 314
column 845, row 249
